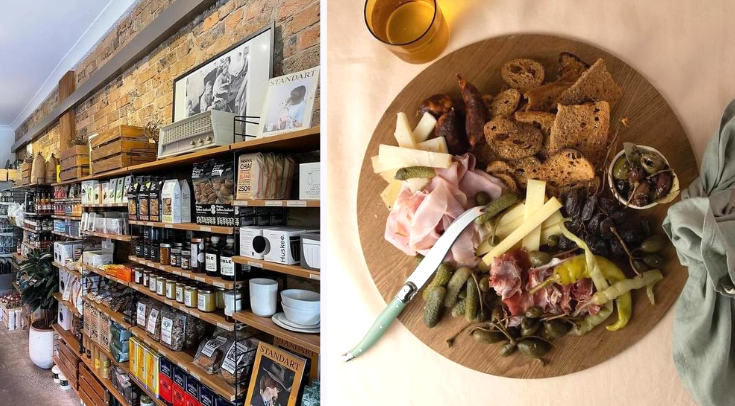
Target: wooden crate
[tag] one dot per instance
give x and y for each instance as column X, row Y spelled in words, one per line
column 120, row 147
column 25, row 172
column 90, row 387
column 74, row 162
column 69, row 363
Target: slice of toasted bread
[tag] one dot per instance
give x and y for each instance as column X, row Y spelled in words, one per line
column 498, row 167
column 595, row 84
column 588, row 187
column 504, row 104
column 561, row 169
column 542, row 121
column 484, row 154
column 571, row 66
column 511, row 140
column 522, row 74
column 582, row 127
column 543, row 98
column 508, row 180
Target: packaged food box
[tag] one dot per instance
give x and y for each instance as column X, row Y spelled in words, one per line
column 171, row 202
column 165, row 381
column 192, row 392
column 252, row 243
column 309, row 181
column 285, row 245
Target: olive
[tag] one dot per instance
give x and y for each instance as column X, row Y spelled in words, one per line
column 640, row 265
column 534, row 348
column 663, row 186
column 482, row 199
column 654, row 243
column 636, row 174
column 484, row 284
column 653, row 261
column 492, row 240
column 652, row 162
column 488, row 337
column 417, row 259
column 539, row 258
column 555, row 329
column 621, row 170
column 553, row 240
column 534, row 312
column 507, row 349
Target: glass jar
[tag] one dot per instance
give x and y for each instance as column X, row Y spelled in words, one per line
column 233, row 303
column 197, row 255
column 185, row 259
column 147, row 248
column 207, row 301
column 139, row 242
column 180, row 292
column 155, row 252
column 161, row 286
column 191, row 296
column 146, row 277
column 138, row 275
column 170, row 289
column 176, row 257
column 165, row 255
column 220, row 299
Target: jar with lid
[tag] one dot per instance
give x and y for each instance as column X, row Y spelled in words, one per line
column 170, row 289
column 186, row 259
column 233, row 303
column 220, row 298
column 228, row 268
column 161, row 286
column 165, row 256
column 176, row 257
column 191, row 296
column 156, row 252
column 146, row 277
column 180, row 286
column 196, row 262
column 212, row 257
column 153, row 283
column 139, row 242
column 206, row 301
column 138, row 275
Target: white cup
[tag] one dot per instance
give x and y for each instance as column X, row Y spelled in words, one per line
column 263, row 295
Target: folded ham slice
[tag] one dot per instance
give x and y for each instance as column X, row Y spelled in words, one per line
column 417, row 220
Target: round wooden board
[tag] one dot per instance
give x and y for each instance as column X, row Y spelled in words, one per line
column 651, row 122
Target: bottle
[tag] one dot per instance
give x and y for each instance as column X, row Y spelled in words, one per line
column 227, row 268
column 211, row 258
column 196, row 261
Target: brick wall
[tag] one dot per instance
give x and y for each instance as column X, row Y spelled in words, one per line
column 144, row 92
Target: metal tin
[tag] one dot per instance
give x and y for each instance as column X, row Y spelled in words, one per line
column 191, row 296
column 165, row 254
column 207, row 301
column 170, row 289
column 161, row 286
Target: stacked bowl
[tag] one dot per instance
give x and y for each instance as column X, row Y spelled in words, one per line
column 301, row 306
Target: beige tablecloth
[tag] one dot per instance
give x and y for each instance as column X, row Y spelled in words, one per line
column 685, row 50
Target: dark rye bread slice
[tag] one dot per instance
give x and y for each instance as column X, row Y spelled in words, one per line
column 498, row 167
column 484, row 154
column 595, row 84
column 571, row 66
column 541, row 120
column 562, row 168
column 522, row 74
column 543, row 98
column 508, row 180
column 583, row 127
column 504, row 104
column 511, row 140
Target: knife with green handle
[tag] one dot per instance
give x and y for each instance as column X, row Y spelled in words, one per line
column 415, row 282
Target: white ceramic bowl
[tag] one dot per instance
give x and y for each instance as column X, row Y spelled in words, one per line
column 300, row 299
column 623, row 199
column 302, row 317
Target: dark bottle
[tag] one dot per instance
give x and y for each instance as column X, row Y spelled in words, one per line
column 211, row 258
column 227, row 267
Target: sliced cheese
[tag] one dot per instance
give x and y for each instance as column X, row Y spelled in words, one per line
column 390, row 193
column 424, row 128
column 380, row 167
column 512, row 215
column 438, row 144
column 404, row 134
column 504, row 229
column 535, row 195
column 389, row 175
column 554, row 219
column 536, row 219
column 547, row 232
column 397, row 157
column 416, row 184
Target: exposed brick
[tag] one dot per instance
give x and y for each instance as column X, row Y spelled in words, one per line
column 226, row 9
column 234, row 19
column 210, row 21
column 304, row 19
column 309, row 38
column 291, row 7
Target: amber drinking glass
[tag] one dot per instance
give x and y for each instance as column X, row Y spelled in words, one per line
column 414, row 30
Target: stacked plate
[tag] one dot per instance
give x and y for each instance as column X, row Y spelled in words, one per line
column 301, row 311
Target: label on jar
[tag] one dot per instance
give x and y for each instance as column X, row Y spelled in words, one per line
column 188, row 298
column 212, row 345
column 152, row 318
column 170, row 291
column 202, row 303
column 226, row 266
column 180, row 293
column 211, row 263
column 161, row 288
column 167, row 327
column 185, row 260
column 141, row 314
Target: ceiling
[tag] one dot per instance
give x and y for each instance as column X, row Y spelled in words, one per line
column 40, row 40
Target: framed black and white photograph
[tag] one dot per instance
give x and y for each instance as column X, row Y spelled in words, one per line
column 276, row 377
column 234, row 81
column 290, row 103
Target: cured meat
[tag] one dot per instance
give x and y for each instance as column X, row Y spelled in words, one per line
column 505, row 277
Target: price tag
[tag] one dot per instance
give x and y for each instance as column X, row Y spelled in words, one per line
column 296, row 203
column 205, row 229
column 224, row 326
column 273, row 203
column 219, row 284
column 168, row 226
column 314, row 276
column 255, row 264
column 199, row 278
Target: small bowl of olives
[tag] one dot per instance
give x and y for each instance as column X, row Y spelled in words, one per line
column 640, row 177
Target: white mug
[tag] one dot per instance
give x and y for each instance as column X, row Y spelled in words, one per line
column 263, row 295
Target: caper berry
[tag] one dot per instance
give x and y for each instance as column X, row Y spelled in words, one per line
column 492, row 240
column 553, row 240
column 507, row 349
column 534, row 348
column 534, row 312
column 529, row 327
column 640, row 265
column 482, row 199
column 653, row 260
column 652, row 162
column 654, row 243
column 539, row 258
column 497, row 314
column 488, row 337
column 621, row 170
column 484, row 284
column 554, row 329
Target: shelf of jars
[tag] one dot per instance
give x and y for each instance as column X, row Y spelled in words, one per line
column 185, row 226
column 199, row 277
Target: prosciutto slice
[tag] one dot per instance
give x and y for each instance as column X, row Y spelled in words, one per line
column 417, row 220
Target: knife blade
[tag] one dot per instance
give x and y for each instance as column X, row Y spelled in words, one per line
column 415, row 282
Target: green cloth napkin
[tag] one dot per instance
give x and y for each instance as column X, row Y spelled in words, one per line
column 702, row 229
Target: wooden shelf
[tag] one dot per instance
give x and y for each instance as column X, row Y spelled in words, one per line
column 67, row 235
column 185, row 226
column 145, row 390
column 294, row 270
column 179, row 160
column 67, row 269
column 32, row 185
column 186, row 362
column 19, row 257
column 60, row 298
column 106, row 382
column 30, row 230
column 118, row 237
column 266, row 325
column 37, row 214
column 277, row 203
column 67, row 336
column 97, row 205
column 117, row 317
column 297, row 141
column 64, row 217
column 218, row 282
column 216, row 318
column 71, row 200
column 105, row 274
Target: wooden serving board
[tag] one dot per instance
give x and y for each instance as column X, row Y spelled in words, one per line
column 651, row 122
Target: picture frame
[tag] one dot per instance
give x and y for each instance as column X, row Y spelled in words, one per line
column 276, row 377
column 289, row 103
column 235, row 80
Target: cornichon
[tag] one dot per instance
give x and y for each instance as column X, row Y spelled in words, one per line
column 496, row 206
column 455, row 285
column 472, row 300
column 459, row 308
column 411, row 172
column 433, row 309
column 441, row 278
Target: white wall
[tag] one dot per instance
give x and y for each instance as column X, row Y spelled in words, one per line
column 7, row 138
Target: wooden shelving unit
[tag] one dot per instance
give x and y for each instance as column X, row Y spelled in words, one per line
column 185, row 226
column 218, row 282
column 29, row 214
column 71, row 200
column 67, row 269
column 117, row 317
column 277, row 203
column 30, row 230
column 105, row 274
column 64, row 217
column 106, row 382
column 118, row 237
column 67, row 336
column 293, row 270
column 265, row 324
column 60, row 298
column 103, row 205
column 66, row 235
